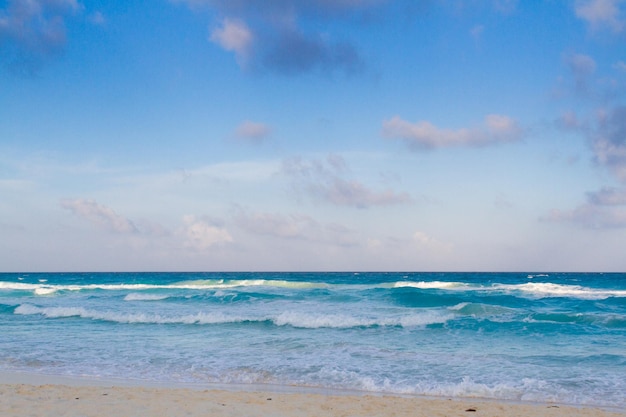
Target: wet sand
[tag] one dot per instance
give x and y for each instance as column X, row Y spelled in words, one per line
column 21, row 396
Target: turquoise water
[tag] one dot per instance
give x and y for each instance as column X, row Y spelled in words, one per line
column 511, row 336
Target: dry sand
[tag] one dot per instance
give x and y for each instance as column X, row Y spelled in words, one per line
column 52, row 400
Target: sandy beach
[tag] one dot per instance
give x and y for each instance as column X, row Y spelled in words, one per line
column 72, row 400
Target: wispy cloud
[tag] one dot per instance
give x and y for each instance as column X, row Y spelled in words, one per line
column 324, row 180
column 293, row 226
column 608, row 196
column 424, row 240
column 198, row 233
column 424, row 135
column 600, row 14
column 604, row 127
column 204, row 233
column 234, row 35
column 32, row 31
column 608, row 141
column 591, row 216
column 295, row 52
column 270, row 35
column 569, row 120
column 604, row 209
column 582, row 68
column 100, row 215
column 252, row 131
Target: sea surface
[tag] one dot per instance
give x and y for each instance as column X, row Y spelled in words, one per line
column 557, row 337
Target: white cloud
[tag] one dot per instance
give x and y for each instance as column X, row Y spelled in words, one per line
column 581, row 64
column 34, row 29
column 601, row 13
column 609, row 141
column 267, row 34
column 608, row 196
column 620, row 65
column 591, row 216
column 582, row 68
column 324, row 180
column 99, row 215
column 604, row 209
column 424, row 240
column 344, row 192
column 202, row 234
column 568, row 120
column 424, row 135
column 252, row 131
column 234, row 35
column 278, row 225
column 294, row 226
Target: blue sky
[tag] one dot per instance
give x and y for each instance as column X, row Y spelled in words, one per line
column 461, row 135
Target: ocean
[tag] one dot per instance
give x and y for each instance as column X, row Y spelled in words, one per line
column 556, row 337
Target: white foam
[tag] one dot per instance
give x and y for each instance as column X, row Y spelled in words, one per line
column 430, row 285
column 547, row 289
column 137, row 318
column 221, row 284
column 288, row 318
column 5, row 285
column 467, row 387
column 133, row 296
column 340, row 321
column 50, row 288
column 45, row 290
column 314, row 321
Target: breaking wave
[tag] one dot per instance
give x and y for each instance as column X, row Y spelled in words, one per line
column 287, row 318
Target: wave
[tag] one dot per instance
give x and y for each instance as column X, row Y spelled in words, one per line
column 45, row 289
column 134, row 296
column 128, row 318
column 249, row 283
column 479, row 309
column 428, row 285
column 312, row 321
column 505, row 314
column 547, row 289
column 293, row 319
column 527, row 289
column 613, row 321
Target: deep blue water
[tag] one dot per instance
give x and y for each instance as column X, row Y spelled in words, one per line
column 513, row 336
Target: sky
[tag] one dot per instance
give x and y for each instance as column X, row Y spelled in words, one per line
column 313, row 135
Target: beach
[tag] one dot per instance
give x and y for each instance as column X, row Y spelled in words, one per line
column 50, row 400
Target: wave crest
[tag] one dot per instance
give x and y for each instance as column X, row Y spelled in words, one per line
column 287, row 318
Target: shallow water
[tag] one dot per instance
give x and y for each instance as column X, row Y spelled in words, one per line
column 510, row 336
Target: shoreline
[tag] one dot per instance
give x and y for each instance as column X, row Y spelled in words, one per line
column 50, row 395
